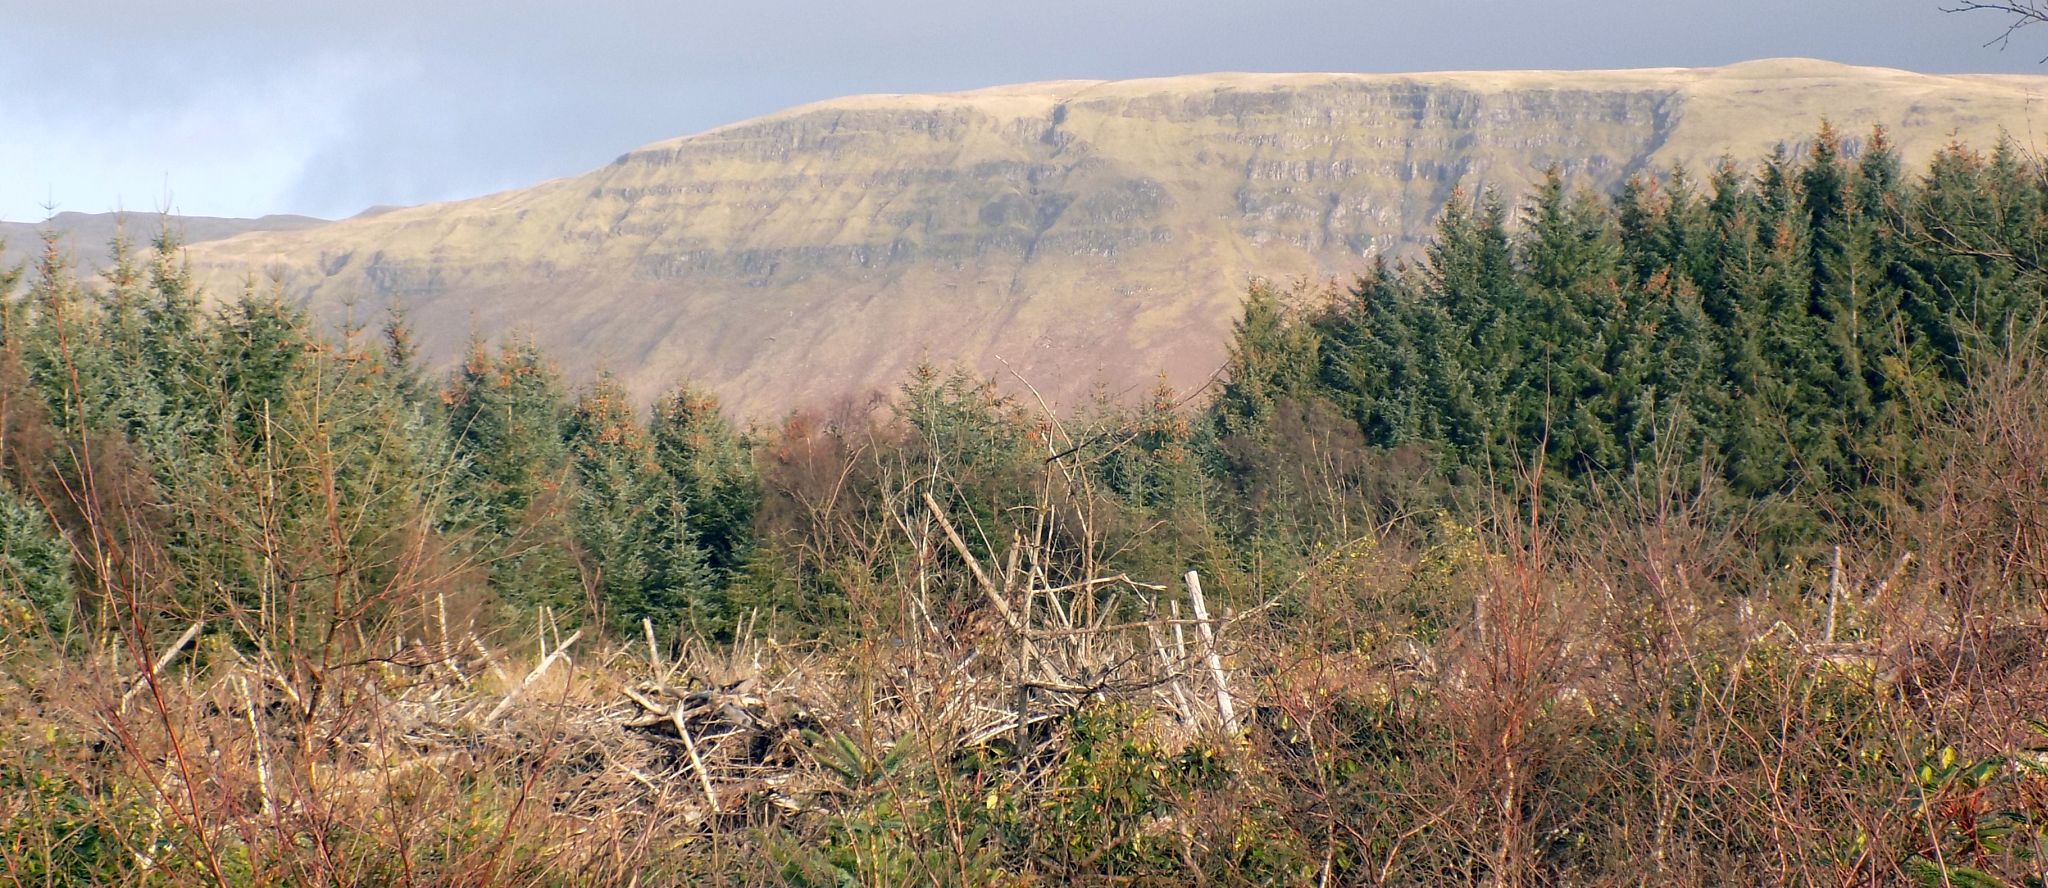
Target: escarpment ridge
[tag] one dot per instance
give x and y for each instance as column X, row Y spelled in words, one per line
column 1085, row 233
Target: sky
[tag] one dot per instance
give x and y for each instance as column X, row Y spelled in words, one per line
column 248, row 107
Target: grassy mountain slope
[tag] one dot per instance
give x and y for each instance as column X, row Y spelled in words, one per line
column 86, row 235
column 1081, row 232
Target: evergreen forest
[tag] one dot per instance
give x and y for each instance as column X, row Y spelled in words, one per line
column 1692, row 534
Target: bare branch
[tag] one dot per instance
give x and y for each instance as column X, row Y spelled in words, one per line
column 2020, row 14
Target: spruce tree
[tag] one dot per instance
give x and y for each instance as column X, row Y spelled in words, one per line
column 263, row 348
column 1560, row 391
column 505, row 416
column 1373, row 363
column 619, row 498
column 35, row 565
column 1474, row 339
column 1272, row 359
column 710, row 468
column 401, row 356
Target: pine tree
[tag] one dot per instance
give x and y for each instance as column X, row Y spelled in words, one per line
column 1685, row 361
column 1642, row 214
column 263, row 349
column 58, row 344
column 10, row 277
column 682, row 586
column 1168, row 474
column 175, row 349
column 1686, row 240
column 1474, row 337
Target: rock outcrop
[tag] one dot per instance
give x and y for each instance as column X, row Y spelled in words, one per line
column 1083, row 233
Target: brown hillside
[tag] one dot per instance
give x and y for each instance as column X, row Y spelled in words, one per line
column 1081, row 231
column 86, row 237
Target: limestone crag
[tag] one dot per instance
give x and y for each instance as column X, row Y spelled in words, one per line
column 1081, row 232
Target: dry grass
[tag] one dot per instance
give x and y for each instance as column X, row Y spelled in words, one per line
column 1627, row 700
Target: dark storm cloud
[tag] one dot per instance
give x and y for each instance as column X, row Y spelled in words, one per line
column 238, row 107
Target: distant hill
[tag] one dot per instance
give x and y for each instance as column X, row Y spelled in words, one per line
column 1081, row 232
column 87, row 235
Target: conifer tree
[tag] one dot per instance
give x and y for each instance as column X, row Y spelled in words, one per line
column 1684, row 371
column 10, row 277
column 1784, row 327
column 716, row 492
column 682, row 587
column 35, row 564
column 1373, row 362
column 615, row 481
column 505, row 417
column 1642, row 214
column 175, row 348
column 58, row 344
column 1685, row 242
column 1560, row 391
column 1271, row 359
column 401, row 356
column 262, row 347
column 1167, row 474
column 1473, row 341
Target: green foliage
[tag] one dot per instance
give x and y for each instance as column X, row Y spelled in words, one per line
column 640, row 551
column 1154, row 460
column 505, row 417
column 1783, row 333
column 1100, row 811
column 35, row 566
column 263, row 348
column 1272, row 358
column 973, row 448
column 710, row 471
column 893, row 828
column 1112, row 785
column 401, row 355
column 617, row 487
column 1980, row 815
column 58, row 833
column 216, row 459
column 1797, row 354
column 1153, row 463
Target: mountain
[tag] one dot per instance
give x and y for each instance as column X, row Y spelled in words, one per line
column 86, row 236
column 1082, row 232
